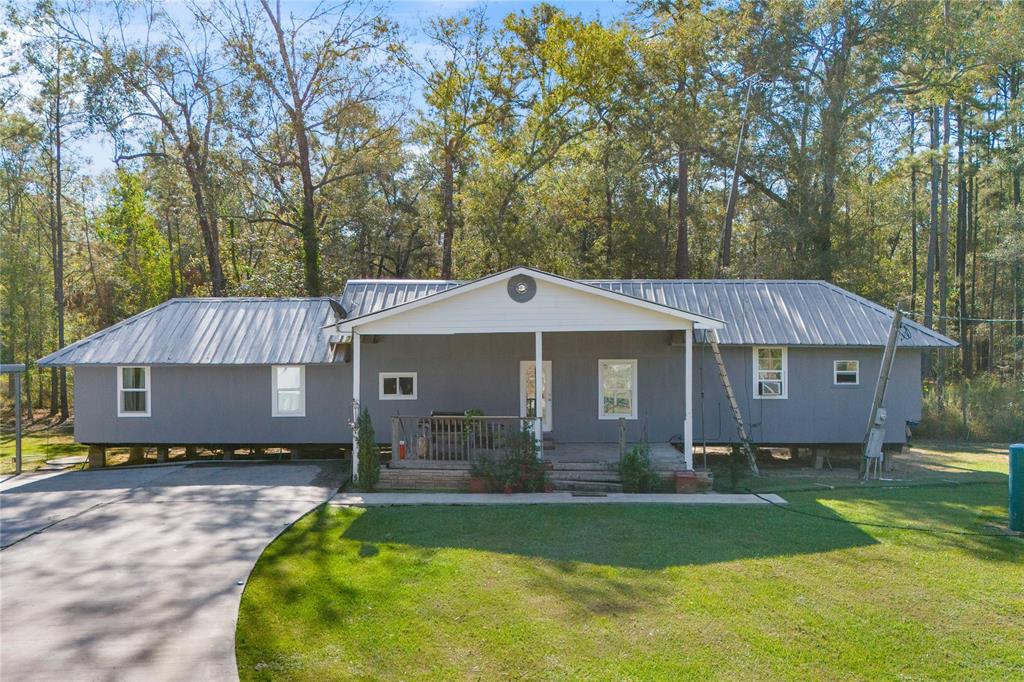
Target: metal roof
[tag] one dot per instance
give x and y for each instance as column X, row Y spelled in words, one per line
column 196, row 331
column 263, row 331
column 756, row 312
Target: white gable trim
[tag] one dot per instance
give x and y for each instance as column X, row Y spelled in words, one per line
column 690, row 319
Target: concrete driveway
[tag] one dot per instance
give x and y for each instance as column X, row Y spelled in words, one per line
column 133, row 574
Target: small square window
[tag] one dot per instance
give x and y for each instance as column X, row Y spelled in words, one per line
column 846, row 372
column 398, row 386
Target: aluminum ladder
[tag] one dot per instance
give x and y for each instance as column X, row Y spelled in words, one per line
column 741, row 428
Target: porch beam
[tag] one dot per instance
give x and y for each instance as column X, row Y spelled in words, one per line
column 538, row 385
column 688, row 423
column 355, row 404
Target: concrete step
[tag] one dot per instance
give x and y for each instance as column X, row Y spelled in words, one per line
column 584, row 475
column 588, row 486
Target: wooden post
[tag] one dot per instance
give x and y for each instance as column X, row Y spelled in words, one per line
column 97, row 457
column 538, row 389
column 17, row 423
column 137, row 455
column 161, row 454
column 688, row 423
column 190, row 452
column 396, row 423
column 355, row 405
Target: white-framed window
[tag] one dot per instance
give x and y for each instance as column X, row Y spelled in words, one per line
column 133, row 392
column 846, row 372
column 770, row 372
column 616, row 389
column 398, row 385
column 288, row 391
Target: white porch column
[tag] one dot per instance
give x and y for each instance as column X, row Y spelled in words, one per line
column 538, row 385
column 688, row 424
column 356, row 404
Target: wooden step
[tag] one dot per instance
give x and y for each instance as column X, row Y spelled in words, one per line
column 588, row 486
column 583, row 466
column 585, row 475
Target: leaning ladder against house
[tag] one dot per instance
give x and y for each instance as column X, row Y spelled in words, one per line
column 741, row 428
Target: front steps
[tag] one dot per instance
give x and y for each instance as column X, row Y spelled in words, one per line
column 589, row 477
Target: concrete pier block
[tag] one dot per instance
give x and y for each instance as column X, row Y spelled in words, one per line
column 161, row 453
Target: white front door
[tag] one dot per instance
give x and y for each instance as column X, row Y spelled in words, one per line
column 528, row 391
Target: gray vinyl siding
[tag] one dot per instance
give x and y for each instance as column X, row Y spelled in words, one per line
column 224, row 404
column 815, row 410
column 461, row 372
column 212, row 405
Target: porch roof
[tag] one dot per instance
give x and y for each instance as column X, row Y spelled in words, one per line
column 488, row 305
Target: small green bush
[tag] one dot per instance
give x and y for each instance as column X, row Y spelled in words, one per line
column 518, row 468
column 995, row 411
column 369, row 453
column 636, row 471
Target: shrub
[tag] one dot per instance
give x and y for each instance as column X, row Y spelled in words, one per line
column 369, row 453
column 518, row 467
column 636, row 472
column 995, row 411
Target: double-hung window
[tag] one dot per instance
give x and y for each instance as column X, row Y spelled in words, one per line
column 398, row 386
column 133, row 392
column 616, row 385
column 289, row 391
column 770, row 380
column 846, row 372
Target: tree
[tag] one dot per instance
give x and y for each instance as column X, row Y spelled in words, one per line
column 458, row 100
column 167, row 91
column 309, row 88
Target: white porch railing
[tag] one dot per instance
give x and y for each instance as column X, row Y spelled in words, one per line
column 445, row 438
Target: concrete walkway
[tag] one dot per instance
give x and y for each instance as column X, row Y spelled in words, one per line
column 135, row 574
column 392, row 499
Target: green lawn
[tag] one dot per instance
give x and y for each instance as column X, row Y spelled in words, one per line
column 37, row 446
column 647, row 592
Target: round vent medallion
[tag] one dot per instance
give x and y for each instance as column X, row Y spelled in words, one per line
column 521, row 288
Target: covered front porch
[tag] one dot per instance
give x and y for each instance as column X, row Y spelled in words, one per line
column 586, row 372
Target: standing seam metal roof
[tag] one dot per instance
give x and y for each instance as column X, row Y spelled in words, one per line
column 197, row 331
column 257, row 331
column 756, row 312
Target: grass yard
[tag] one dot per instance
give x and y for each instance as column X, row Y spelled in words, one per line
column 37, row 445
column 649, row 592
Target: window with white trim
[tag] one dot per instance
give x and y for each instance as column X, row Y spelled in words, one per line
column 846, row 372
column 398, row 386
column 616, row 386
column 133, row 392
column 770, row 381
column 288, row 391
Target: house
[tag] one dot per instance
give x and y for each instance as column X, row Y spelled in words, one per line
column 616, row 360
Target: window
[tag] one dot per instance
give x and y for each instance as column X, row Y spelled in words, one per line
column 398, row 386
column 846, row 372
column 770, row 372
column 133, row 391
column 616, row 385
column 289, row 391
